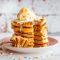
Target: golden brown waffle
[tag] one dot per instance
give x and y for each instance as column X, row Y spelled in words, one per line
column 27, row 24
column 41, row 45
column 27, row 27
column 41, row 41
column 40, row 32
column 19, row 41
column 27, row 35
column 27, row 30
column 15, row 24
column 16, row 40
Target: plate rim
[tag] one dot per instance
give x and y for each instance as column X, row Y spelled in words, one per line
column 28, row 49
column 37, row 47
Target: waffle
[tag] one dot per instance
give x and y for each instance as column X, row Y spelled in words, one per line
column 27, row 35
column 15, row 40
column 41, row 45
column 41, row 41
column 40, row 32
column 16, row 26
column 27, row 30
column 27, row 24
column 18, row 41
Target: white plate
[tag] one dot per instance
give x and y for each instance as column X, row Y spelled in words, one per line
column 29, row 50
column 32, row 50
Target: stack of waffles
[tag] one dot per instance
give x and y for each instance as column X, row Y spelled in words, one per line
column 40, row 32
column 29, row 32
column 23, row 29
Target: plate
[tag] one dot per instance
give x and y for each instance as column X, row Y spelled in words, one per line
column 51, row 44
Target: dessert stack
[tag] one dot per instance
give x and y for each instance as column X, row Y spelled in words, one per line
column 40, row 32
column 23, row 29
column 29, row 31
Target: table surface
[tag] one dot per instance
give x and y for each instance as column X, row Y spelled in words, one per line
column 54, row 54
